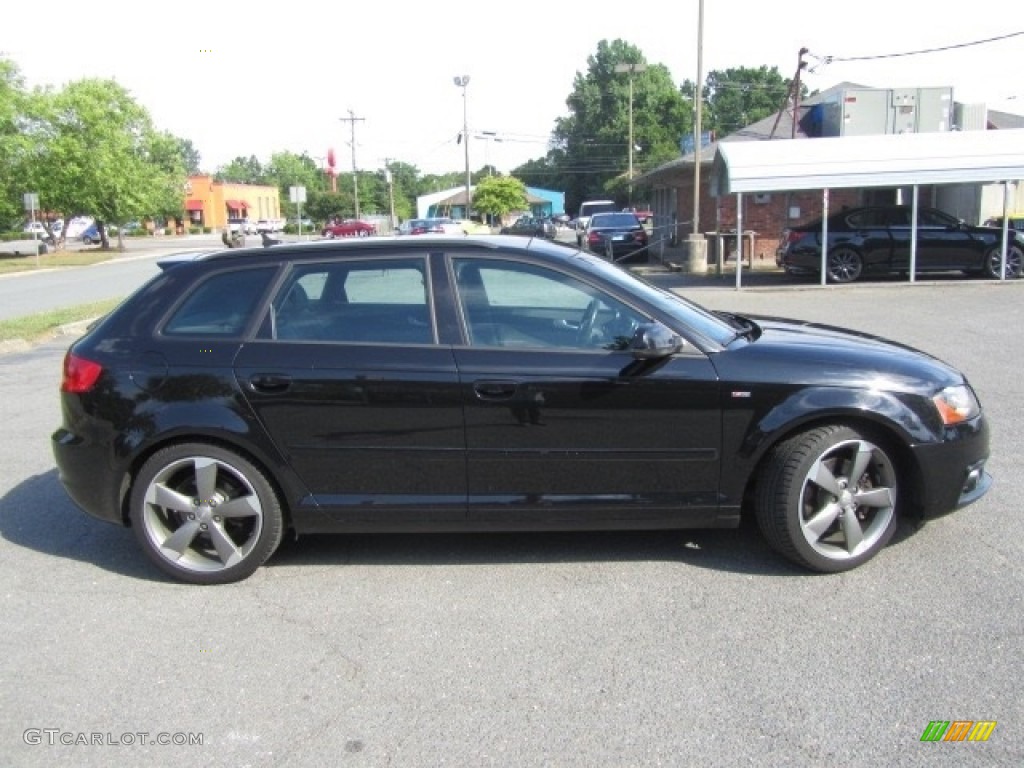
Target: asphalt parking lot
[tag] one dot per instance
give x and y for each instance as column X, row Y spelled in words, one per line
column 606, row 649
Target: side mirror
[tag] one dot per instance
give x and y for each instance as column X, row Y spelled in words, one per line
column 653, row 340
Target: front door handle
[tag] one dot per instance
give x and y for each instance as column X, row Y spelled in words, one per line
column 270, row 383
column 495, row 390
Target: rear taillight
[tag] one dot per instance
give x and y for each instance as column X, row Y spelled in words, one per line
column 79, row 374
column 791, row 236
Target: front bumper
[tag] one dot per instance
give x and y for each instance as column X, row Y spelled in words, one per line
column 952, row 472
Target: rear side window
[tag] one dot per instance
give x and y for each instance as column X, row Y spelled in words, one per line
column 221, row 305
column 872, row 218
column 373, row 301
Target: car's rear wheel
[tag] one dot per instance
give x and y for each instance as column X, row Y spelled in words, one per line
column 826, row 499
column 994, row 261
column 204, row 514
column 844, row 265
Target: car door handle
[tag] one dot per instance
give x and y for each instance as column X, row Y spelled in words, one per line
column 495, row 390
column 270, row 382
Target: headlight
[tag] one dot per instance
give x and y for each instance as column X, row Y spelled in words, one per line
column 956, row 404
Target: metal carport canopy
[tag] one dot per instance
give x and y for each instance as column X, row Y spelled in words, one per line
column 870, row 161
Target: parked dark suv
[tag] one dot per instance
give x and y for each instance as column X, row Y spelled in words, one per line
column 490, row 383
column 876, row 240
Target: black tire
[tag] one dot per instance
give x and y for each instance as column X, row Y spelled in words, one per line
column 844, row 265
column 174, row 506
column 827, row 498
column 994, row 261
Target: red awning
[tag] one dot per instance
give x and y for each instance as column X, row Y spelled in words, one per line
column 193, row 205
column 237, row 205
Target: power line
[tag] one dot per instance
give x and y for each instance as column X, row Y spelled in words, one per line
column 830, row 59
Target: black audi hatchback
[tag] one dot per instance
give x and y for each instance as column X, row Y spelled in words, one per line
column 491, row 384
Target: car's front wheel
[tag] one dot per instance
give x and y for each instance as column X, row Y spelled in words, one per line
column 826, row 498
column 844, row 265
column 204, row 514
column 994, row 262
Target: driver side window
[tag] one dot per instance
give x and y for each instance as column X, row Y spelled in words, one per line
column 516, row 305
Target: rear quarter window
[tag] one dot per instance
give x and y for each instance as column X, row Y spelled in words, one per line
column 222, row 305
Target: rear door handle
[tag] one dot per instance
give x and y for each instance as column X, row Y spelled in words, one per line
column 495, row 390
column 270, row 382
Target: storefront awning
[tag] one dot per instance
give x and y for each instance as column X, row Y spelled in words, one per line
column 193, row 205
column 236, row 205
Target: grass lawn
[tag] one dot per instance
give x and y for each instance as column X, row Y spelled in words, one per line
column 43, row 325
column 48, row 260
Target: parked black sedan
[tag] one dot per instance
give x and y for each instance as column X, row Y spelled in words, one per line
column 877, row 240
column 490, row 383
column 531, row 226
column 619, row 236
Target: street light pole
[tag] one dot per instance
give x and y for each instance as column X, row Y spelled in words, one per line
column 631, row 68
column 696, row 120
column 462, row 82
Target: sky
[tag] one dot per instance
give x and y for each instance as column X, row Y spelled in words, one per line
column 257, row 77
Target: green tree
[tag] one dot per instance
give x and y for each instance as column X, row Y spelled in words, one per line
column 498, row 195
column 94, row 151
column 735, row 98
column 321, row 206
column 242, row 170
column 287, row 169
column 591, row 143
column 190, row 157
column 14, row 149
column 405, row 178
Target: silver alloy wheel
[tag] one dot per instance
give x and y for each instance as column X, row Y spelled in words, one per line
column 848, row 499
column 202, row 514
column 844, row 265
column 1013, row 262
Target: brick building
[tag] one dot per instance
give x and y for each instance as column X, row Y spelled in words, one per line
column 766, row 215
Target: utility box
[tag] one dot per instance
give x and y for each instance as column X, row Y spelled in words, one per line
column 970, row 117
column 877, row 111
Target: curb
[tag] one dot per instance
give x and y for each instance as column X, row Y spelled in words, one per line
column 75, row 329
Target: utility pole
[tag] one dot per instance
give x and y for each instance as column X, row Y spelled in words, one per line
column 390, row 178
column 792, row 97
column 699, row 96
column 351, row 119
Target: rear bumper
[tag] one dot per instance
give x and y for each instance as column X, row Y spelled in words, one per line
column 87, row 475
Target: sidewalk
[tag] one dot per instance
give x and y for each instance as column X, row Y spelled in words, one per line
column 667, row 271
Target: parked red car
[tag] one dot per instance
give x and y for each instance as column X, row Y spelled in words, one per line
column 348, row 228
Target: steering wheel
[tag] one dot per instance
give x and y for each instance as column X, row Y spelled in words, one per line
column 583, row 336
